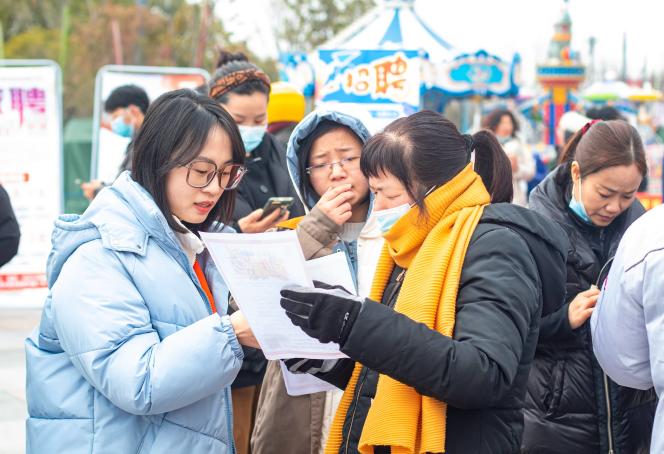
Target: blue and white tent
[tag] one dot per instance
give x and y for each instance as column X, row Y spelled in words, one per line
column 393, row 25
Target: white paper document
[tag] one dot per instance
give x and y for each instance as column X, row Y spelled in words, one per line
column 256, row 267
column 331, row 269
column 300, row 384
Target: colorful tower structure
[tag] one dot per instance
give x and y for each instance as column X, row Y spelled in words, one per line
column 559, row 75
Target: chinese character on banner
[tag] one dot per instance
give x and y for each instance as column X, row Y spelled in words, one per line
column 358, row 83
column 31, row 107
column 17, row 102
column 36, row 100
column 391, row 74
column 381, row 78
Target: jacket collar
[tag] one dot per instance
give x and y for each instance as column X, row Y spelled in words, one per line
column 126, row 216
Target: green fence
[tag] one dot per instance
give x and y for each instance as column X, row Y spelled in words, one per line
column 77, row 149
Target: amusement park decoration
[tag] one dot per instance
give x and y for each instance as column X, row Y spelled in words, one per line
column 560, row 75
column 383, row 83
column 389, row 59
column 295, row 67
column 480, row 74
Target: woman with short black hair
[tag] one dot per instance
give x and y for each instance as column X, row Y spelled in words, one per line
column 134, row 352
column 10, row 233
column 439, row 354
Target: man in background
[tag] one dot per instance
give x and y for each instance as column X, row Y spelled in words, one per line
column 125, row 107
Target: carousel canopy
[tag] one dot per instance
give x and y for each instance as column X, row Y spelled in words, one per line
column 393, row 25
column 391, row 55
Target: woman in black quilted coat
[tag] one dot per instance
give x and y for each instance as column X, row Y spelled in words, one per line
column 571, row 405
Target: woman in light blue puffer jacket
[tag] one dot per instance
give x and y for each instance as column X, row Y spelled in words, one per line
column 130, row 355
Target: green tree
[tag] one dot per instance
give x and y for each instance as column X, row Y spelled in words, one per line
column 34, row 42
column 152, row 33
column 306, row 24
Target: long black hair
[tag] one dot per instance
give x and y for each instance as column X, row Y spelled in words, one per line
column 426, row 150
column 492, row 120
column 175, row 130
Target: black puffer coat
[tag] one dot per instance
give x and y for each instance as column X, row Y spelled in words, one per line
column 515, row 259
column 569, row 408
column 267, row 176
column 9, row 231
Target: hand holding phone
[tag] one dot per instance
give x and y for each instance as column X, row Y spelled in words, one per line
column 276, row 203
column 258, row 221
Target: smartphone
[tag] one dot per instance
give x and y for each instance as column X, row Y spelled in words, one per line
column 276, row 203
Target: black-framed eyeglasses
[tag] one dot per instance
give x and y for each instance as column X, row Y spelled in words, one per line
column 201, row 173
column 350, row 162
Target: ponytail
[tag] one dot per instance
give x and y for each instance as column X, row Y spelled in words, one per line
column 569, row 151
column 493, row 165
column 603, row 144
column 235, row 74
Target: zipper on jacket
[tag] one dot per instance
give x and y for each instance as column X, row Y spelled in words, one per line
column 229, row 420
column 352, row 418
column 607, row 396
column 608, row 412
column 366, row 370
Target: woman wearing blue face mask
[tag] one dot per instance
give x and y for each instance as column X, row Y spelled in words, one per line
column 571, row 406
column 243, row 90
column 438, row 355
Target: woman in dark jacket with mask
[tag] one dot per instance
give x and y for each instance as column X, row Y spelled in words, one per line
column 571, row 406
column 243, row 90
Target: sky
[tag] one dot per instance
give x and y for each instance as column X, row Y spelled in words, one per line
column 504, row 27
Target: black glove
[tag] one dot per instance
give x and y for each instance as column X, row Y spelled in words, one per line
column 309, row 366
column 326, row 313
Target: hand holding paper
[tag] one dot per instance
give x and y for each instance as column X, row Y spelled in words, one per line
column 256, row 267
column 243, row 331
column 326, row 314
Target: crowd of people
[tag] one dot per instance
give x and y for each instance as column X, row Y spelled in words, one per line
column 484, row 318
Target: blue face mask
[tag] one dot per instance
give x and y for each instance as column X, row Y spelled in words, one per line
column 252, row 136
column 578, row 208
column 387, row 218
column 121, row 128
column 503, row 139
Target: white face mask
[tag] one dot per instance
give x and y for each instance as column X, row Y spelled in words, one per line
column 387, row 218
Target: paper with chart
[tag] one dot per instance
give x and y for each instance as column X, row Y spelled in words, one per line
column 256, row 267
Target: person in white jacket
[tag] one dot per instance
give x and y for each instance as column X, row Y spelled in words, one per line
column 628, row 322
